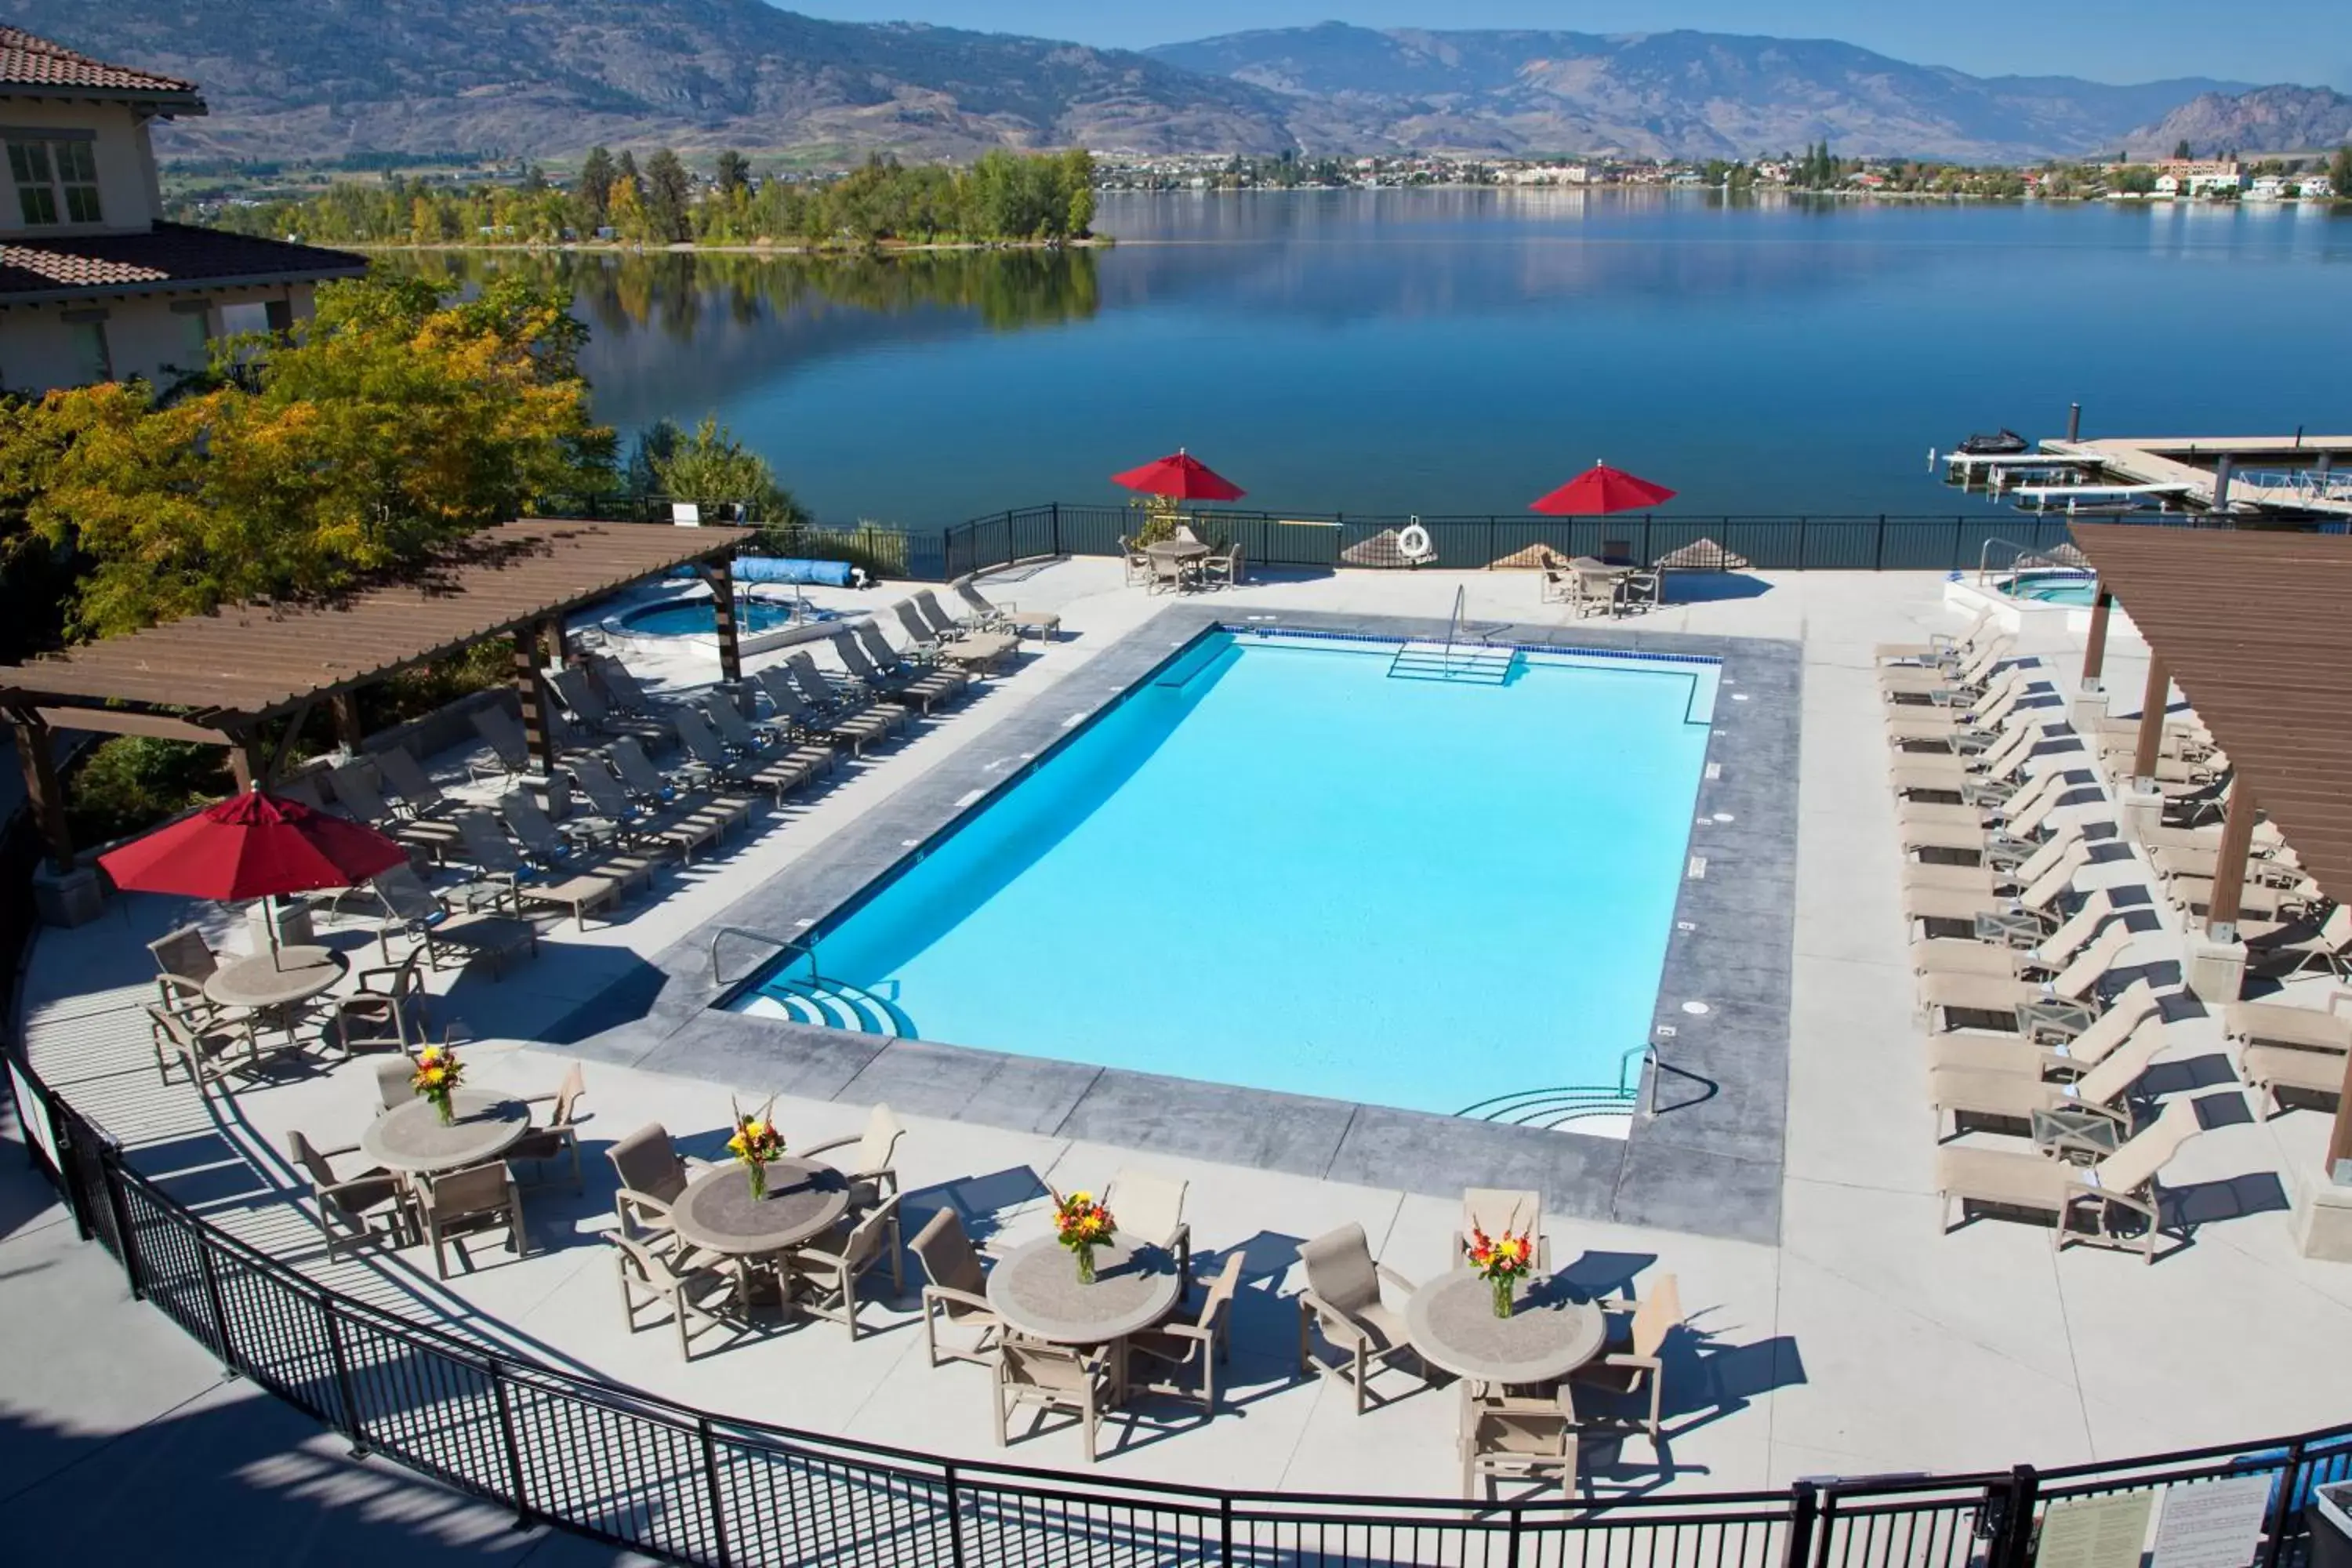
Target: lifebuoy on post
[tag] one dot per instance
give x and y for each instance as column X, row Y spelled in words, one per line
column 1413, row 543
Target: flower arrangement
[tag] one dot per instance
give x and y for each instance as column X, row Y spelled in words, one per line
column 1081, row 1223
column 1502, row 1261
column 437, row 1075
column 756, row 1141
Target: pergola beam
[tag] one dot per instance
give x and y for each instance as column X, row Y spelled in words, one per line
column 130, row 721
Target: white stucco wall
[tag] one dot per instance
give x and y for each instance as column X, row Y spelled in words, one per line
column 127, row 194
column 38, row 351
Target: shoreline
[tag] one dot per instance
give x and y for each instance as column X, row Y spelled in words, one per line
column 731, row 247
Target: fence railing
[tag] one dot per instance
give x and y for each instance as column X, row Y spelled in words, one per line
column 690, row 1487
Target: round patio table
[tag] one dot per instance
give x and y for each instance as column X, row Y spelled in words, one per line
column 717, row 1213
column 1452, row 1323
column 411, row 1139
column 263, row 980
column 1035, row 1291
column 1183, row 552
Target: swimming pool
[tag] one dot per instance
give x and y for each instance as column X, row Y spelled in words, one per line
column 1273, row 865
column 698, row 617
column 2051, row 588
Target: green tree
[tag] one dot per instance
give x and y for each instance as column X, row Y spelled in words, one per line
column 734, row 171
column 2180, row 150
column 708, row 466
column 1077, row 172
column 2339, row 173
column 597, row 172
column 397, row 418
column 669, row 194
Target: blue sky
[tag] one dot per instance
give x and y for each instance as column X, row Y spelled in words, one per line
column 2107, row 40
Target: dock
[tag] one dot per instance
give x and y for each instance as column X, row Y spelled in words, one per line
column 2300, row 473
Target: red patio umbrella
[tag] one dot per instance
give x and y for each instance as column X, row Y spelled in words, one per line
column 1183, row 477
column 252, row 847
column 1600, row 489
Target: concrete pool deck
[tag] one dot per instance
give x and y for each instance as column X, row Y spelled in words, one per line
column 1853, row 1339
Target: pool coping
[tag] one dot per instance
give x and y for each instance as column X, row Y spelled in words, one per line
column 1708, row 1161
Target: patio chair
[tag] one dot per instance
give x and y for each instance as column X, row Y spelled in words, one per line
column 1595, row 588
column 2124, row 1183
column 1929, row 906
column 2067, row 1058
column 207, row 1052
column 559, row 1134
column 1975, row 1095
column 648, row 784
column 831, row 699
column 682, row 828
column 1005, row 616
column 1512, row 1434
column 184, row 954
column 869, row 1172
column 856, row 729
column 496, row 859
column 955, row 1290
column 1134, row 564
column 1169, row 574
column 652, row 1174
column 1149, row 1208
column 510, row 755
column 388, row 1010
column 453, row 1205
column 348, row 1207
column 394, row 1083
column 1343, row 1299
column 1195, row 1347
column 1496, row 1210
column 829, row 1268
column 703, row 744
column 1938, row 646
column 694, row 1293
column 1222, row 569
column 1053, row 1377
column 1997, row 959
column 552, row 852
column 1638, row 1364
column 1943, row 997
column 622, row 690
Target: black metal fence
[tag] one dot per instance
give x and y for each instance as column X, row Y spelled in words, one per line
column 1310, row 540
column 688, row 1487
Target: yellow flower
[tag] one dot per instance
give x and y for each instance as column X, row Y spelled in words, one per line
column 1080, row 1200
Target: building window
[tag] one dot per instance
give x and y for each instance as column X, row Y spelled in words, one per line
column 56, row 181
column 92, row 361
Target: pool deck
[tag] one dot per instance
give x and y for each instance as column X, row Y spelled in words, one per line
column 1855, row 1337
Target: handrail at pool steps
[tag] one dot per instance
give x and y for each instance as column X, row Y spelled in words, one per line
column 690, row 1487
column 774, row 946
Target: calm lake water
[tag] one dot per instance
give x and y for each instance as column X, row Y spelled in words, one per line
column 1465, row 351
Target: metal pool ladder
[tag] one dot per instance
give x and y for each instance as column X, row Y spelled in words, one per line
column 1480, row 662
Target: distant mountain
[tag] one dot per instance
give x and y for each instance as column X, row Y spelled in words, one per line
column 2267, row 120
column 326, row 78
column 292, row 79
column 1681, row 94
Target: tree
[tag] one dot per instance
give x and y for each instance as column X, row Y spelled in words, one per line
column 597, row 174
column 396, row 418
column 669, row 194
column 626, row 212
column 734, row 171
column 710, row 467
column 1077, row 173
column 2180, row 151
column 2339, row 173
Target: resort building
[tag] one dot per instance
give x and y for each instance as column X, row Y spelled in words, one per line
column 94, row 285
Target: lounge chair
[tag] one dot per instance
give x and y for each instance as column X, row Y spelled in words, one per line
column 413, row 910
column 768, row 744
column 419, row 796
column 856, row 730
column 497, row 858
column 2267, row 1069
column 2005, row 688
column 2068, row 1058
column 955, row 1292
column 1970, row 955
column 1989, row 775
column 1943, row 997
column 587, row 705
column 2282, row 867
column 2259, row 898
column 552, row 850
column 357, row 796
column 2289, row 949
column 2267, row 839
column 650, row 785
column 2281, row 1023
column 685, row 828
column 1929, row 906
column 1343, row 1299
column 1925, row 825
column 703, row 744
column 841, row 714
column 1976, row 1095
column 2124, row 1183
column 1005, row 616
column 924, row 636
column 1938, row 648
column 621, row 692
column 1996, row 878
column 898, row 682
column 1971, row 675
column 2011, row 843
column 510, row 755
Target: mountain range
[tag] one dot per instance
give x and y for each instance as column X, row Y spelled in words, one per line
column 547, row 78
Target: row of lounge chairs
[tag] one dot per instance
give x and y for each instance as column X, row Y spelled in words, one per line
column 2038, row 1025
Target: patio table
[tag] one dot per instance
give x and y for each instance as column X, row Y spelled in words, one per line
column 1185, row 553
column 718, row 1213
column 411, row 1140
column 1035, row 1291
column 1451, row 1322
column 265, row 981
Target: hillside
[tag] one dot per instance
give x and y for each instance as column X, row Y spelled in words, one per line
column 1673, row 94
column 290, row 78
column 2268, row 120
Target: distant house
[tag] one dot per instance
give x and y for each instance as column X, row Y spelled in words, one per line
column 2266, row 188
column 2318, row 188
column 2197, row 177
column 94, row 286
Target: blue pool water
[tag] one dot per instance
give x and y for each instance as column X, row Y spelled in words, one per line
column 1274, row 865
column 689, row 617
column 2060, row 588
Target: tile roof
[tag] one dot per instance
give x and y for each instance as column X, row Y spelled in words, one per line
column 167, row 254
column 26, row 60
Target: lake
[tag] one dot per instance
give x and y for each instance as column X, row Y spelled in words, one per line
column 1449, row 351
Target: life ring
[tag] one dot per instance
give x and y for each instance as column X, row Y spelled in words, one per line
column 1413, row 543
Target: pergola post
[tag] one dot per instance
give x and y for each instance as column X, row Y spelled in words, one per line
column 37, row 754
column 248, row 764
column 2153, row 703
column 721, row 575
column 2230, row 865
column 2090, row 704
column 346, row 708
column 2339, row 1140
column 532, row 701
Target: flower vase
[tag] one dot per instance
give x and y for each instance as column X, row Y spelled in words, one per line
column 448, row 1112
column 758, row 1170
column 1502, row 1289
column 1085, row 1264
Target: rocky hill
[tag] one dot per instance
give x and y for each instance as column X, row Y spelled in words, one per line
column 549, row 77
column 2267, row 120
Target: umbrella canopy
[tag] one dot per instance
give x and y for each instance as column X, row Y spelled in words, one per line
column 1183, row 477
column 250, row 846
column 1600, row 489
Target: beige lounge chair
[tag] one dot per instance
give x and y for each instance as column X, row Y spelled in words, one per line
column 1962, row 906
column 2071, row 1058
column 1970, row 675
column 1343, row 1299
column 955, row 1292
column 1953, row 773
column 1995, row 879
column 1975, row 1095
column 1053, row 1377
column 1638, row 1363
column 2267, row 839
column 2281, row 1023
column 1940, row 645
column 1900, row 704
column 2017, row 816
column 1159, row 1358
column 2257, row 898
column 1989, row 712
column 2124, row 1183
column 2266, row 1070
column 1967, row 955
column 1942, row 995
column 1512, row 1434
column 2289, row 949
column 493, row 859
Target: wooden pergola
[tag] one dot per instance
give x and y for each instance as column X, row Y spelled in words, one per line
column 2255, row 628
column 221, row 678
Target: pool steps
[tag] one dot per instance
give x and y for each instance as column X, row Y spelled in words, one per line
column 1475, row 663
